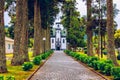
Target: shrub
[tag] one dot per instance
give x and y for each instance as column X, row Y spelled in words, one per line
column 37, row 60
column 44, row 56
column 82, row 57
column 118, row 57
column 85, row 50
column 109, row 61
column 76, row 56
column 95, row 65
column 101, row 65
column 27, row 66
column 90, row 62
column 10, row 78
column 67, row 51
column 1, row 77
column 116, row 73
column 107, row 69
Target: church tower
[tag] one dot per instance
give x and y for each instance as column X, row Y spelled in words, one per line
column 58, row 37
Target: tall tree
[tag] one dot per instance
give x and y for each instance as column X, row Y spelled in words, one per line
column 3, row 67
column 24, row 32
column 37, row 28
column 89, row 29
column 17, row 56
column 110, row 33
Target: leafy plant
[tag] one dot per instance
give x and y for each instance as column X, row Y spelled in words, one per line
column 107, row 69
column 44, row 56
column 27, row 66
column 37, row 60
column 116, row 73
column 1, row 77
column 10, row 78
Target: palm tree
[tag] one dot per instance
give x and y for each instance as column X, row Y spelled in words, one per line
column 17, row 56
column 89, row 29
column 3, row 67
column 110, row 33
column 37, row 28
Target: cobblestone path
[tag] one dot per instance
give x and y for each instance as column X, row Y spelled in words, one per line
column 62, row 67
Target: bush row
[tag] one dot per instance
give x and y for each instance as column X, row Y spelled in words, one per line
column 36, row 61
column 104, row 66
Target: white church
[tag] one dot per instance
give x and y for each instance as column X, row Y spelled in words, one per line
column 58, row 37
column 59, row 33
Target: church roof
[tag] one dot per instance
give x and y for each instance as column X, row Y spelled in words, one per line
column 9, row 39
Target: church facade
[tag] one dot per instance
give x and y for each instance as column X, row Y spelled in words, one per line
column 58, row 37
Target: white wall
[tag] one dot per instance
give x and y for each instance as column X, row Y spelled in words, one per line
column 52, row 43
column 58, row 36
column 9, row 46
column 63, row 46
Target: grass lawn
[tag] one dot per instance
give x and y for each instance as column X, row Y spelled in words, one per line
column 17, row 71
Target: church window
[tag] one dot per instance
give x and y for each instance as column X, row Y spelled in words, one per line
column 52, row 40
column 63, row 40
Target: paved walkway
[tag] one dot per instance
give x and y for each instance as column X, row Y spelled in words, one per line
column 62, row 67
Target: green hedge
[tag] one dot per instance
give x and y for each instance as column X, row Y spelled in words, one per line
column 104, row 66
column 36, row 60
column 116, row 73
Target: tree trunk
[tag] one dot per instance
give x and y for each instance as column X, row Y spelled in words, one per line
column 44, row 42
column 37, row 28
column 24, row 32
column 3, row 67
column 48, row 40
column 41, row 41
column 88, row 30
column 110, row 33
column 17, row 56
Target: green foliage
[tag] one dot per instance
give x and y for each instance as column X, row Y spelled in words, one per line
column 44, row 56
column 108, row 69
column 30, row 42
column 7, row 78
column 27, row 66
column 105, row 66
column 10, row 78
column 1, row 77
column 117, row 38
column 67, row 52
column 116, row 73
column 37, row 60
column 9, row 32
column 74, row 24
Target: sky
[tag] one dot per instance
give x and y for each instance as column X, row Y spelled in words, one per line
column 81, row 7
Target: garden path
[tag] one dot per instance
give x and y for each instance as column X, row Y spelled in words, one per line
column 62, row 67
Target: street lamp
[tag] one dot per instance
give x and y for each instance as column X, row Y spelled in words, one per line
column 44, row 43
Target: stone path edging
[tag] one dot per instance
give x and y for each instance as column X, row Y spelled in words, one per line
column 62, row 67
column 38, row 68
